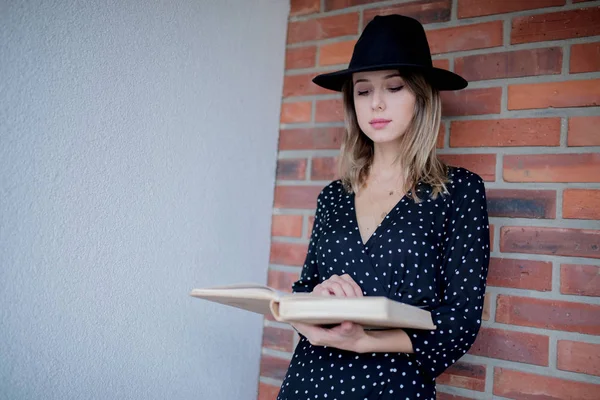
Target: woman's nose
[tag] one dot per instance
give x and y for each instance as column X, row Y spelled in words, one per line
column 378, row 101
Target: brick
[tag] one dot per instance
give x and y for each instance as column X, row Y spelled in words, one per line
column 510, row 64
column 526, row 386
column 303, row 7
column 487, row 307
column 581, row 203
column 548, row 314
column 311, row 139
column 323, row 28
column 520, row 274
column 291, row 169
column 267, row 392
column 297, row 112
column 273, row 367
column 301, row 85
column 324, row 168
column 286, row 225
column 580, row 280
column 552, row 168
column 441, row 136
column 482, row 164
column 336, row 53
column 331, row 5
column 585, row 58
column 442, row 63
column 471, row 102
column 426, row 11
column 508, row 345
column 278, row 338
column 288, row 253
column 505, row 132
column 585, row 93
column 583, row 131
column 556, row 25
column 513, row 203
column 491, row 237
column 578, row 357
column 301, row 57
column 304, row 197
column 464, row 375
column 448, row 396
column 476, row 8
column 469, row 37
column 282, row 280
column 553, row 241
column 311, row 222
column 329, row 111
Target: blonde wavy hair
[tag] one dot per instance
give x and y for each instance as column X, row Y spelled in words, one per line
column 417, row 148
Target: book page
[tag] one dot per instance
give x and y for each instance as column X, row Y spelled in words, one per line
column 248, row 296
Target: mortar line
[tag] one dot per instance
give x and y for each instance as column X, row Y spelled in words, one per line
column 559, row 204
column 270, row 381
column 556, row 278
column 531, row 368
column 454, row 11
column 566, row 59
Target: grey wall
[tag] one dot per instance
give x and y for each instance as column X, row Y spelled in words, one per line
column 137, row 161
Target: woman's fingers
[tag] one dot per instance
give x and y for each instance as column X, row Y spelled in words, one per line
column 313, row 334
column 357, row 290
column 351, row 288
column 321, row 290
column 343, row 286
column 336, row 288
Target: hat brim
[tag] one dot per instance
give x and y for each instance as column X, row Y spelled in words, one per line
column 440, row 79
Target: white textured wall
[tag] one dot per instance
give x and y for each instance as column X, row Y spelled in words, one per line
column 137, row 161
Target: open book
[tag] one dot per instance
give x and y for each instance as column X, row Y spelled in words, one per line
column 373, row 312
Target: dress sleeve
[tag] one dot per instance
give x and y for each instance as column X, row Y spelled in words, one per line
column 463, row 280
column 309, row 277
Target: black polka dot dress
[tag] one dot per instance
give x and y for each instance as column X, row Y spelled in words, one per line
column 433, row 254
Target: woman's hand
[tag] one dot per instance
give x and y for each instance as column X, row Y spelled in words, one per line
column 347, row 335
column 342, row 286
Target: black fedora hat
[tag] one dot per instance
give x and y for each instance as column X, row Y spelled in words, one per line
column 393, row 42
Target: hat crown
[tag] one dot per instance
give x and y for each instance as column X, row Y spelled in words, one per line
column 393, row 42
column 391, row 39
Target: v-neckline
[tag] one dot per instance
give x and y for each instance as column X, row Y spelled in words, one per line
column 379, row 225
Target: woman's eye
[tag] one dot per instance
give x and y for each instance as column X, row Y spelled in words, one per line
column 362, row 92
column 395, row 89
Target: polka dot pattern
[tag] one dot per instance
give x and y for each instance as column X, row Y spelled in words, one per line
column 433, row 254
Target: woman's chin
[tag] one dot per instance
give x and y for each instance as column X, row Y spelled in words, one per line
column 381, row 137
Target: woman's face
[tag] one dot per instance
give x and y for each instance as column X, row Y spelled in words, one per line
column 384, row 105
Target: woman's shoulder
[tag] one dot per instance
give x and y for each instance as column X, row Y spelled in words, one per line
column 464, row 183
column 332, row 189
column 331, row 193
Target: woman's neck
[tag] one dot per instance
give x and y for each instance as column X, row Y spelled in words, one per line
column 386, row 167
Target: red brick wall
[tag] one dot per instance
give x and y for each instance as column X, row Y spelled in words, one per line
column 528, row 124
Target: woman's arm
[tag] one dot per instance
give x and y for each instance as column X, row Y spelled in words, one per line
column 384, row 341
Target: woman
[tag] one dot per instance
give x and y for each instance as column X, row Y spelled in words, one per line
column 399, row 223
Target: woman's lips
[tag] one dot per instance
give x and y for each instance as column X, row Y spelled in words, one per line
column 379, row 123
